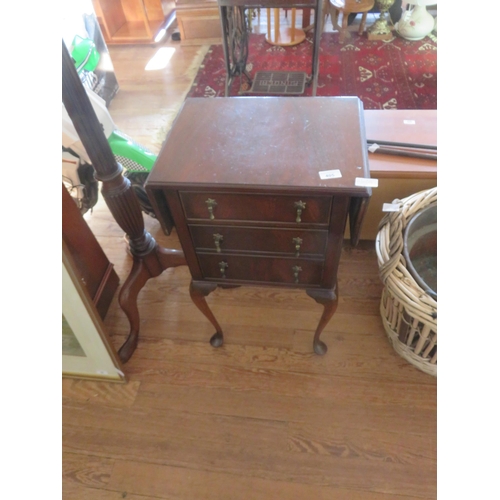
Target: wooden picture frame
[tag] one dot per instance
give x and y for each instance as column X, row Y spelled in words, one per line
column 87, row 349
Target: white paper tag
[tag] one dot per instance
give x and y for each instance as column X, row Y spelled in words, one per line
column 364, row 182
column 373, row 148
column 330, row 174
column 409, row 122
column 390, row 207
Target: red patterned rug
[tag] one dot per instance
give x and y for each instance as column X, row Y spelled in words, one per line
column 398, row 74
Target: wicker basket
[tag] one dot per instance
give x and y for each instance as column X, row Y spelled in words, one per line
column 409, row 314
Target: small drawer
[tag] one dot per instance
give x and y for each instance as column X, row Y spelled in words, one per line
column 294, row 242
column 294, row 209
column 258, row 269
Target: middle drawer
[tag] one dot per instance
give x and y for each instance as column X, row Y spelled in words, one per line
column 295, row 242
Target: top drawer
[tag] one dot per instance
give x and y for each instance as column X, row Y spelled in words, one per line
column 290, row 209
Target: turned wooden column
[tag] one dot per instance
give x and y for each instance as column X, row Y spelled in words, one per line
column 150, row 260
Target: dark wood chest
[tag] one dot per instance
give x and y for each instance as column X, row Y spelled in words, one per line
column 260, row 190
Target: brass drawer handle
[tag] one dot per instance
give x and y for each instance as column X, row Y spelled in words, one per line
column 223, row 266
column 217, row 240
column 296, row 270
column 299, row 205
column 298, row 242
column 211, row 204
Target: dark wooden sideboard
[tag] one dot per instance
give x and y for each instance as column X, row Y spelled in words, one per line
column 244, row 181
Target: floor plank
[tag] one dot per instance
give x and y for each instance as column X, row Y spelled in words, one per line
column 100, row 392
column 87, row 470
column 177, row 483
column 74, row 491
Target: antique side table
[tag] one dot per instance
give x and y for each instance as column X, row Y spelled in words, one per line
column 260, row 190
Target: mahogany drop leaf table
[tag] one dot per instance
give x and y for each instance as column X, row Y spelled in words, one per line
column 260, row 190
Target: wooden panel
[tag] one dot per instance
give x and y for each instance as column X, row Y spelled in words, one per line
column 259, row 239
column 113, row 16
column 92, row 264
column 261, row 269
column 154, row 10
column 199, row 26
column 262, row 208
column 134, row 10
column 199, row 21
column 402, row 125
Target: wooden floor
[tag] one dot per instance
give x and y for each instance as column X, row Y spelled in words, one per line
column 261, row 417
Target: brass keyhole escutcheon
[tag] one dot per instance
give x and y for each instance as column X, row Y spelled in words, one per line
column 296, row 270
column 297, row 241
column 223, row 266
column 218, row 238
column 299, row 206
column 211, row 204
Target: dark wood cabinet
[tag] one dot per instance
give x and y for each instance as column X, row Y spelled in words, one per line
column 244, row 179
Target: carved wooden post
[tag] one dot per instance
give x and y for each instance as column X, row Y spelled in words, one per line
column 149, row 259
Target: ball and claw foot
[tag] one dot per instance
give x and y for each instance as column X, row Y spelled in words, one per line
column 320, row 347
column 217, row 339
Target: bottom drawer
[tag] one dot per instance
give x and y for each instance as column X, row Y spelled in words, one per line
column 261, row 269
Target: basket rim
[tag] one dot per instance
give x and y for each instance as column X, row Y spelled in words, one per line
column 390, row 253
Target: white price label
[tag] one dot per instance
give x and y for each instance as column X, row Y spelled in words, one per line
column 364, row 182
column 330, row 174
column 390, row 207
column 409, row 122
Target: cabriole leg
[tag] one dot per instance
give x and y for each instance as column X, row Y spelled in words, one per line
column 198, row 290
column 329, row 300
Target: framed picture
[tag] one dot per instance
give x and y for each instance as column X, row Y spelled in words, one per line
column 86, row 349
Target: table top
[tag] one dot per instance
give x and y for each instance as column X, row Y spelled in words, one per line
column 416, row 126
column 266, row 142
